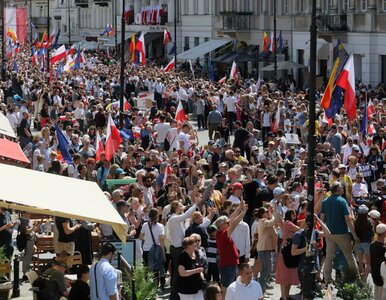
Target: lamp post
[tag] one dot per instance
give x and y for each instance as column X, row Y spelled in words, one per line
column 122, row 76
column 69, row 22
column 48, row 48
column 274, row 38
column 310, row 271
column 3, row 68
column 175, row 35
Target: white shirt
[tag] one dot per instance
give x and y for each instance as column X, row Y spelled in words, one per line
column 162, row 130
column 158, row 231
column 183, row 137
column 359, row 189
column 383, row 274
column 231, row 103
column 173, row 139
column 182, row 94
column 234, row 199
column 175, row 227
column 239, row 291
column 80, row 113
column 241, row 237
column 73, row 169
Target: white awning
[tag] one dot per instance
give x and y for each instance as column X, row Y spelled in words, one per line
column 5, row 127
column 202, row 49
column 56, row 195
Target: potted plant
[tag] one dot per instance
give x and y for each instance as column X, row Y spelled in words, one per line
column 145, row 284
column 352, row 287
column 5, row 281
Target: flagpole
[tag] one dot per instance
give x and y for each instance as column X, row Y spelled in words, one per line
column 3, row 68
column 122, row 76
column 30, row 20
column 309, row 272
column 69, row 23
column 274, row 39
column 48, row 48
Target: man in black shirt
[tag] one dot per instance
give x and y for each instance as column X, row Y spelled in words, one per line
column 221, row 181
column 24, row 130
column 266, row 194
column 6, row 225
column 241, row 137
column 67, row 234
column 377, row 256
column 80, row 290
column 214, row 158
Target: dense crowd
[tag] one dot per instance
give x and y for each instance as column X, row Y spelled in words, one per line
column 218, row 212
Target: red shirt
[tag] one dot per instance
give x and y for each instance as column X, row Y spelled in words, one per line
column 227, row 250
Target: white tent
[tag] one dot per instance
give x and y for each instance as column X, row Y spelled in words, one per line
column 5, row 127
column 55, row 195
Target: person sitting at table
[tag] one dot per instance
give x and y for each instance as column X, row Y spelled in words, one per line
column 80, row 290
column 61, row 257
column 55, row 282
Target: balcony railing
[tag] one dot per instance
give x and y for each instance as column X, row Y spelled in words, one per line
column 39, row 21
column 234, row 20
column 328, row 23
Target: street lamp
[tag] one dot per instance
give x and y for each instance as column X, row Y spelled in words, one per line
column 310, row 272
column 122, row 76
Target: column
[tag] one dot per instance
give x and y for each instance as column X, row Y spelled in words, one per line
column 171, row 11
column 351, row 5
column 372, row 5
column 334, row 7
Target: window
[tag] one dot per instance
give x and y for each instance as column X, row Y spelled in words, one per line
column 206, row 39
column 284, row 7
column 363, row 5
column 261, row 7
column 384, row 5
column 186, row 7
column 206, row 7
column 195, row 7
column 186, row 43
column 196, row 41
column 300, row 6
column 345, row 4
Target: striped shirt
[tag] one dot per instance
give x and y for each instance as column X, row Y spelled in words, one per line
column 211, row 252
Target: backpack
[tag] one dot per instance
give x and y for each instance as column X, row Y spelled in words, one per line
column 291, row 261
column 21, row 240
column 39, row 288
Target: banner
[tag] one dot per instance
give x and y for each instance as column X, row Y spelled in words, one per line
column 144, row 100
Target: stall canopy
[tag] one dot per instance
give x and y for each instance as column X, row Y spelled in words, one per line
column 60, row 196
column 5, row 128
column 11, row 152
column 202, row 49
column 284, row 65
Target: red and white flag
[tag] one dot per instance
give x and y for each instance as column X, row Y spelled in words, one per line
column 16, row 20
column 113, row 139
column 168, row 171
column 233, row 74
column 222, row 80
column 346, row 81
column 370, row 110
column 167, row 38
column 276, row 121
column 98, row 147
column 59, row 54
column 327, row 119
column 140, row 47
column 371, row 129
column 170, row 66
column 272, row 46
column 180, row 114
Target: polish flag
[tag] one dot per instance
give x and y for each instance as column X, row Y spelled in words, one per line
column 167, row 38
column 222, row 80
column 168, row 171
column 140, row 47
column 233, row 74
column 71, row 51
column 180, row 114
column 371, row 129
column 113, row 139
column 346, row 81
column 272, row 46
column 170, row 66
column 16, row 20
column 276, row 121
column 34, row 57
column 98, row 147
column 327, row 119
column 59, row 54
column 370, row 110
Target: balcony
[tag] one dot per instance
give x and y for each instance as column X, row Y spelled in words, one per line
column 39, row 21
column 235, row 20
column 102, row 2
column 328, row 23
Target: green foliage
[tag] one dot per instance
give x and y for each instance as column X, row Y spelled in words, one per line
column 351, row 287
column 145, row 283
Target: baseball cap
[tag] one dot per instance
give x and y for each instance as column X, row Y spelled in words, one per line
column 211, row 229
column 254, row 148
column 381, row 228
column 278, row 191
column 374, row 214
column 342, row 166
column 355, row 148
column 302, row 150
column 237, row 185
column 363, row 209
column 211, row 142
column 216, row 146
column 119, row 171
column 220, row 174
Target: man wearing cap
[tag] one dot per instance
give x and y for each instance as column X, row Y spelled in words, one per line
column 237, row 193
column 220, row 181
column 55, row 281
column 335, row 211
column 377, row 256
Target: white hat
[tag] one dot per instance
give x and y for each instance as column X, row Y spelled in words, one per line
column 381, row 228
column 278, row 191
column 374, row 214
column 363, row 209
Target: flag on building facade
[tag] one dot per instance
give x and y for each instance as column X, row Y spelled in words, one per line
column 16, row 20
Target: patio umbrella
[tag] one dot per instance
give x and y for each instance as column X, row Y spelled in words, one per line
column 284, row 65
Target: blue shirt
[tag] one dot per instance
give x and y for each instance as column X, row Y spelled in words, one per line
column 106, row 277
column 336, row 209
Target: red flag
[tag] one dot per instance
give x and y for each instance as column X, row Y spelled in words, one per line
column 265, row 42
column 233, row 74
column 272, row 46
column 327, row 119
column 346, row 81
column 167, row 38
column 371, row 129
column 98, row 147
column 222, row 80
column 180, row 114
column 140, row 47
column 170, row 66
column 370, row 110
column 168, row 171
column 113, row 139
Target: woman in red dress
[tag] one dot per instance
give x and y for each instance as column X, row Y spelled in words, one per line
column 284, row 276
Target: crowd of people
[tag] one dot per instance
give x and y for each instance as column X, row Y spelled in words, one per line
column 213, row 215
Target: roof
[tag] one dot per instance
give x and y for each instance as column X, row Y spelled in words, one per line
column 55, row 195
column 5, row 127
column 202, row 49
column 11, row 151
